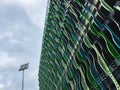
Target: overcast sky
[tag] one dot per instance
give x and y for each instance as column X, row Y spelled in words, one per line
column 21, row 30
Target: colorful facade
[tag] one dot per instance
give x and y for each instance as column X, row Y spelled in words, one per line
column 81, row 46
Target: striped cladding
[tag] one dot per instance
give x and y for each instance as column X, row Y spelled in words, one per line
column 81, row 46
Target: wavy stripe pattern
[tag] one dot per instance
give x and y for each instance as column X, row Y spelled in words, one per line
column 81, row 46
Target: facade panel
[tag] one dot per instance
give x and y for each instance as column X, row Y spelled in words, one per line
column 81, row 46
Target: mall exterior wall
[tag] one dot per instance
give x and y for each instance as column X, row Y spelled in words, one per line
column 81, row 46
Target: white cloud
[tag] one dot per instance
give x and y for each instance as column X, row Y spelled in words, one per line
column 10, row 82
column 24, row 2
column 14, row 41
column 20, row 41
column 7, row 61
column 2, row 86
column 10, row 37
column 6, row 35
column 1, row 77
column 35, row 9
column 7, row 81
column 37, row 12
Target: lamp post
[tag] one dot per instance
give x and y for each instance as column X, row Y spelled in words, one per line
column 22, row 68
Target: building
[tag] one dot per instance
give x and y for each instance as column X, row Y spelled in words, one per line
column 81, row 46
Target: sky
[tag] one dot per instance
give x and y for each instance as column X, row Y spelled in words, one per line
column 21, row 30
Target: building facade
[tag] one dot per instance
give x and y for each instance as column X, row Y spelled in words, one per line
column 81, row 46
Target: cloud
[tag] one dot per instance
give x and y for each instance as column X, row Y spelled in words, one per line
column 21, row 25
column 2, row 86
column 24, row 2
column 6, row 35
column 7, row 61
column 8, row 82
column 35, row 9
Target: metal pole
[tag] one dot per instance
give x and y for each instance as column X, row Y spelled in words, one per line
column 23, row 80
column 22, row 68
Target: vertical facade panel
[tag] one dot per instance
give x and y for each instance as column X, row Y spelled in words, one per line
column 81, row 46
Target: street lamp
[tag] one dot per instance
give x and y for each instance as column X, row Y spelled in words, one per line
column 22, row 68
